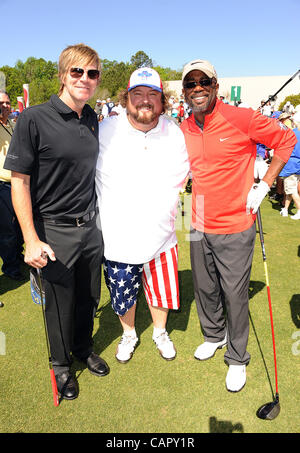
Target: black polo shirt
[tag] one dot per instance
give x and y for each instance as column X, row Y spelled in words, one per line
column 59, row 151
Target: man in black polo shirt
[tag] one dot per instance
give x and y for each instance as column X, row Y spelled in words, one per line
column 52, row 157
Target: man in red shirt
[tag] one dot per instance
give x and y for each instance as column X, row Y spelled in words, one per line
column 221, row 141
column 180, row 116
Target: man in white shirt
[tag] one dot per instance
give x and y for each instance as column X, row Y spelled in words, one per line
column 139, row 148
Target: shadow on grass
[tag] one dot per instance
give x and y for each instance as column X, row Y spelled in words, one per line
column 255, row 287
column 8, row 284
column 276, row 205
column 295, row 309
column 178, row 319
column 221, row 426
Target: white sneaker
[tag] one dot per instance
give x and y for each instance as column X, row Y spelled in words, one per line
column 207, row 349
column 165, row 346
column 296, row 216
column 126, row 348
column 236, row 378
column 284, row 212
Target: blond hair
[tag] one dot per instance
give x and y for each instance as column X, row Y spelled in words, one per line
column 77, row 54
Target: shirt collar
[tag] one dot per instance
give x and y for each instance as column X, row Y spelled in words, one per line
column 192, row 121
column 156, row 130
column 61, row 107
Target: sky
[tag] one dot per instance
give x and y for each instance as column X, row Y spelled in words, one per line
column 240, row 38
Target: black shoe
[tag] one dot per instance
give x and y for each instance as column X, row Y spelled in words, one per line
column 96, row 365
column 67, row 386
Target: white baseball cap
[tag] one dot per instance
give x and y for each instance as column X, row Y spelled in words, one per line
column 200, row 65
column 146, row 77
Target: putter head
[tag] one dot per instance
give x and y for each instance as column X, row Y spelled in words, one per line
column 269, row 411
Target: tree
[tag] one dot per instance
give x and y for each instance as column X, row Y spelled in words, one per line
column 168, row 73
column 293, row 98
column 41, row 75
column 14, row 84
column 140, row 60
column 115, row 76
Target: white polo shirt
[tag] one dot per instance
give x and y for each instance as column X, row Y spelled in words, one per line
column 138, row 178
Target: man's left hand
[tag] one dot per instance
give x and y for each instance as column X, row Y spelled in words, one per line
column 255, row 196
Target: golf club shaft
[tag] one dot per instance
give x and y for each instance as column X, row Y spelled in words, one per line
column 52, row 375
column 261, row 235
column 284, row 85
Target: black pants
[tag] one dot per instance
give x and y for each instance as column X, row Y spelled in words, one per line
column 221, row 268
column 11, row 239
column 72, row 286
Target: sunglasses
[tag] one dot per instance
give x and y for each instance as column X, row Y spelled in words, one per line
column 78, row 72
column 202, row 82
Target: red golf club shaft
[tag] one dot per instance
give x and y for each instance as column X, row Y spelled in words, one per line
column 272, row 328
column 268, row 291
column 54, row 388
column 52, row 375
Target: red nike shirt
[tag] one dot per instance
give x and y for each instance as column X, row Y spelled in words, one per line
column 222, row 163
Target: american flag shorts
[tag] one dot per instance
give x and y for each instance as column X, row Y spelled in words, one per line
column 159, row 278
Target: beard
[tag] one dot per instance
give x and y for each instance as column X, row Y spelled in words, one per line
column 144, row 117
column 198, row 108
column 202, row 108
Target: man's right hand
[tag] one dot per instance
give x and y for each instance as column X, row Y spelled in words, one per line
column 37, row 253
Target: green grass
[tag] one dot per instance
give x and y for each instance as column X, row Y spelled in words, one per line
column 150, row 395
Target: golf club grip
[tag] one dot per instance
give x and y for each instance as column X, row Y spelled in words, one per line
column 261, row 234
column 54, row 388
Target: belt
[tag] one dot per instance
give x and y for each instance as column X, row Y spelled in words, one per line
column 79, row 221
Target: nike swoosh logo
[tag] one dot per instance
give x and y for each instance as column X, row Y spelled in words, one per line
column 223, row 139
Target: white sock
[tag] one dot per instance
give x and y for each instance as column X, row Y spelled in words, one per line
column 157, row 331
column 130, row 333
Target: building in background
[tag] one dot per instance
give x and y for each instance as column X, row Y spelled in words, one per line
column 250, row 90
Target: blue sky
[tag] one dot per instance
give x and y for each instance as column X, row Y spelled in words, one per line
column 241, row 38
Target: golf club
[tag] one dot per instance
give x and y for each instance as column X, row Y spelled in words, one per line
column 52, row 375
column 268, row 411
column 285, row 84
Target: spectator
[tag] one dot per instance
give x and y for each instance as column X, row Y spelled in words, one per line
column 223, row 99
column 98, row 108
column 288, row 108
column 174, row 113
column 181, row 113
column 291, row 174
column 266, row 109
column 107, row 107
column 11, row 240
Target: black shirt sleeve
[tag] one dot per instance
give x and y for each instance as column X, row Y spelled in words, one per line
column 22, row 149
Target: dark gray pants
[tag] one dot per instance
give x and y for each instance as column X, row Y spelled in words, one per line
column 221, row 267
column 72, row 288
